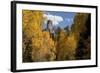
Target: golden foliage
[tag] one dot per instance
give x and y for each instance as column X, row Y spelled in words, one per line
column 66, row 46
column 45, row 47
column 41, row 45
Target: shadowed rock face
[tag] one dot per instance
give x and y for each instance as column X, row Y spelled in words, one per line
column 83, row 49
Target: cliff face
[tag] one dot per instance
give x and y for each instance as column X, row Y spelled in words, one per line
column 82, row 29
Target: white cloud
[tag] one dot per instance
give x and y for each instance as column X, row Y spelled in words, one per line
column 69, row 19
column 54, row 18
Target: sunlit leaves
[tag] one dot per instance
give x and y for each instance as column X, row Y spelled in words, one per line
column 38, row 42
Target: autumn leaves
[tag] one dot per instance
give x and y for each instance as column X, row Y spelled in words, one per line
column 39, row 46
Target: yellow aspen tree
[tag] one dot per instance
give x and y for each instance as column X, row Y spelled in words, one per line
column 37, row 44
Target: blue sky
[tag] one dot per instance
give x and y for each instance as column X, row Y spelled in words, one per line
column 62, row 19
